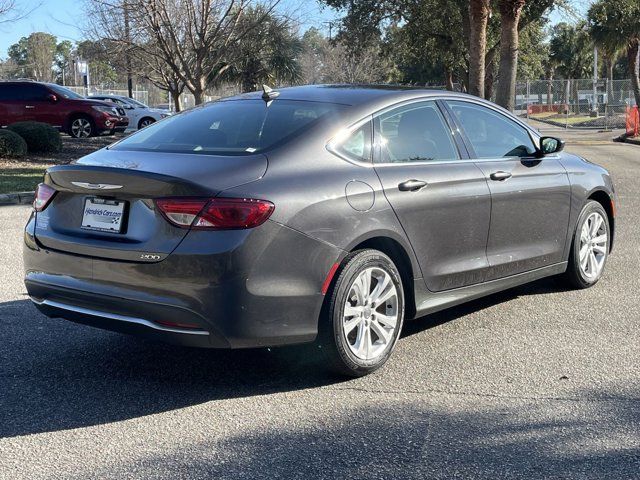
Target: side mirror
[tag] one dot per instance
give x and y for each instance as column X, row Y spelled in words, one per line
column 550, row 145
column 129, row 107
column 52, row 98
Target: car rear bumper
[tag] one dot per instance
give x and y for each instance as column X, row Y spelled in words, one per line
column 255, row 290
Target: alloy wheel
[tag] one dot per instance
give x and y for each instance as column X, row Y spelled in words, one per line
column 81, row 128
column 593, row 245
column 370, row 315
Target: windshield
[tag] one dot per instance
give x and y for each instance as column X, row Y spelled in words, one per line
column 136, row 103
column 65, row 92
column 233, row 127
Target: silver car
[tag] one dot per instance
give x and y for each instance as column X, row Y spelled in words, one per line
column 139, row 114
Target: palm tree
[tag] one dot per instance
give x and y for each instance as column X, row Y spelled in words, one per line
column 479, row 11
column 615, row 27
column 268, row 54
column 510, row 11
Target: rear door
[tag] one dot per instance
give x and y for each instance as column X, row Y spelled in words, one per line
column 531, row 196
column 440, row 197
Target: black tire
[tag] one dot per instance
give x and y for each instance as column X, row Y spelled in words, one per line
column 89, row 129
column 575, row 277
column 333, row 341
column 143, row 120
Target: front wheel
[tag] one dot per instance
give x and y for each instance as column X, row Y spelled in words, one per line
column 81, row 127
column 363, row 318
column 145, row 122
column 590, row 247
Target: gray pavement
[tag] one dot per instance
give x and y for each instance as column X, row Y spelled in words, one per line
column 536, row 382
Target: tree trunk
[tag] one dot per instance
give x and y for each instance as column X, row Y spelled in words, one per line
column 510, row 11
column 633, row 52
column 478, row 19
column 175, row 97
column 448, row 78
column 198, row 96
column 610, row 66
column 248, row 84
column 490, row 72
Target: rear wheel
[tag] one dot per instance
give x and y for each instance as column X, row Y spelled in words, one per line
column 81, row 127
column 363, row 319
column 590, row 247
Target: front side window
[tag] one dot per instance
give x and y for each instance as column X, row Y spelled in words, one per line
column 232, row 127
column 414, row 133
column 492, row 135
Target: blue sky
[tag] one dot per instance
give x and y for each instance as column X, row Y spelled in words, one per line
column 65, row 18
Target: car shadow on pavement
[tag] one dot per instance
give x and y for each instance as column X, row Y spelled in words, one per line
column 539, row 287
column 592, row 435
column 57, row 375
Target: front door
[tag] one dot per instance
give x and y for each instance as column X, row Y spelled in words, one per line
column 531, row 197
column 441, row 199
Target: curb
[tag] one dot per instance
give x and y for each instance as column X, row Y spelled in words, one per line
column 19, row 198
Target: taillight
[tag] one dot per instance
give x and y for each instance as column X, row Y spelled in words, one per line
column 216, row 213
column 44, row 194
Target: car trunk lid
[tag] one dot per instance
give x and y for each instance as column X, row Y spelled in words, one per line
column 126, row 184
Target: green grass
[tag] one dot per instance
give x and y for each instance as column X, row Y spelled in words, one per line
column 17, row 178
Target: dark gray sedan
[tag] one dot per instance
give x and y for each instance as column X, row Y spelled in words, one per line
column 320, row 213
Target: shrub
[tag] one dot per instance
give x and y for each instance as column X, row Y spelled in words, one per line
column 12, row 145
column 40, row 137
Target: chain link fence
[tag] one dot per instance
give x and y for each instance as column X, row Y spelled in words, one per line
column 155, row 97
column 576, row 103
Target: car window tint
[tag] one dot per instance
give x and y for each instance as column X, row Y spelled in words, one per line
column 29, row 92
column 491, row 134
column 230, row 127
column 8, row 92
column 357, row 145
column 414, row 133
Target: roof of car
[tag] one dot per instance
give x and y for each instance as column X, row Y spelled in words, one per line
column 107, row 95
column 347, row 94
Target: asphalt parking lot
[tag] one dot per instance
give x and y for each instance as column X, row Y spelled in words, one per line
column 536, row 382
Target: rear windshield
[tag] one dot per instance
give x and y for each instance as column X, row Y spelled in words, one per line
column 233, row 127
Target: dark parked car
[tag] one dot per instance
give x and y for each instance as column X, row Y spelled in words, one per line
column 60, row 107
column 324, row 212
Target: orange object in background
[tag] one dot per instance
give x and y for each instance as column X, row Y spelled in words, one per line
column 633, row 121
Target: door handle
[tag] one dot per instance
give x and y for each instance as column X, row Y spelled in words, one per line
column 500, row 175
column 29, row 106
column 412, row 185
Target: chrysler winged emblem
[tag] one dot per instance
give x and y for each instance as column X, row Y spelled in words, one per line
column 96, row 186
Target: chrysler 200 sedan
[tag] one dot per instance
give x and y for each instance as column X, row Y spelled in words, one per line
column 319, row 213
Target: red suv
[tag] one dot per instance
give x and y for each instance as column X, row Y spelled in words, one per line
column 59, row 107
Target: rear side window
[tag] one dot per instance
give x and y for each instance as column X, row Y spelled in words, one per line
column 492, row 135
column 22, row 91
column 31, row 92
column 8, row 92
column 233, row 127
column 356, row 145
column 414, row 133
